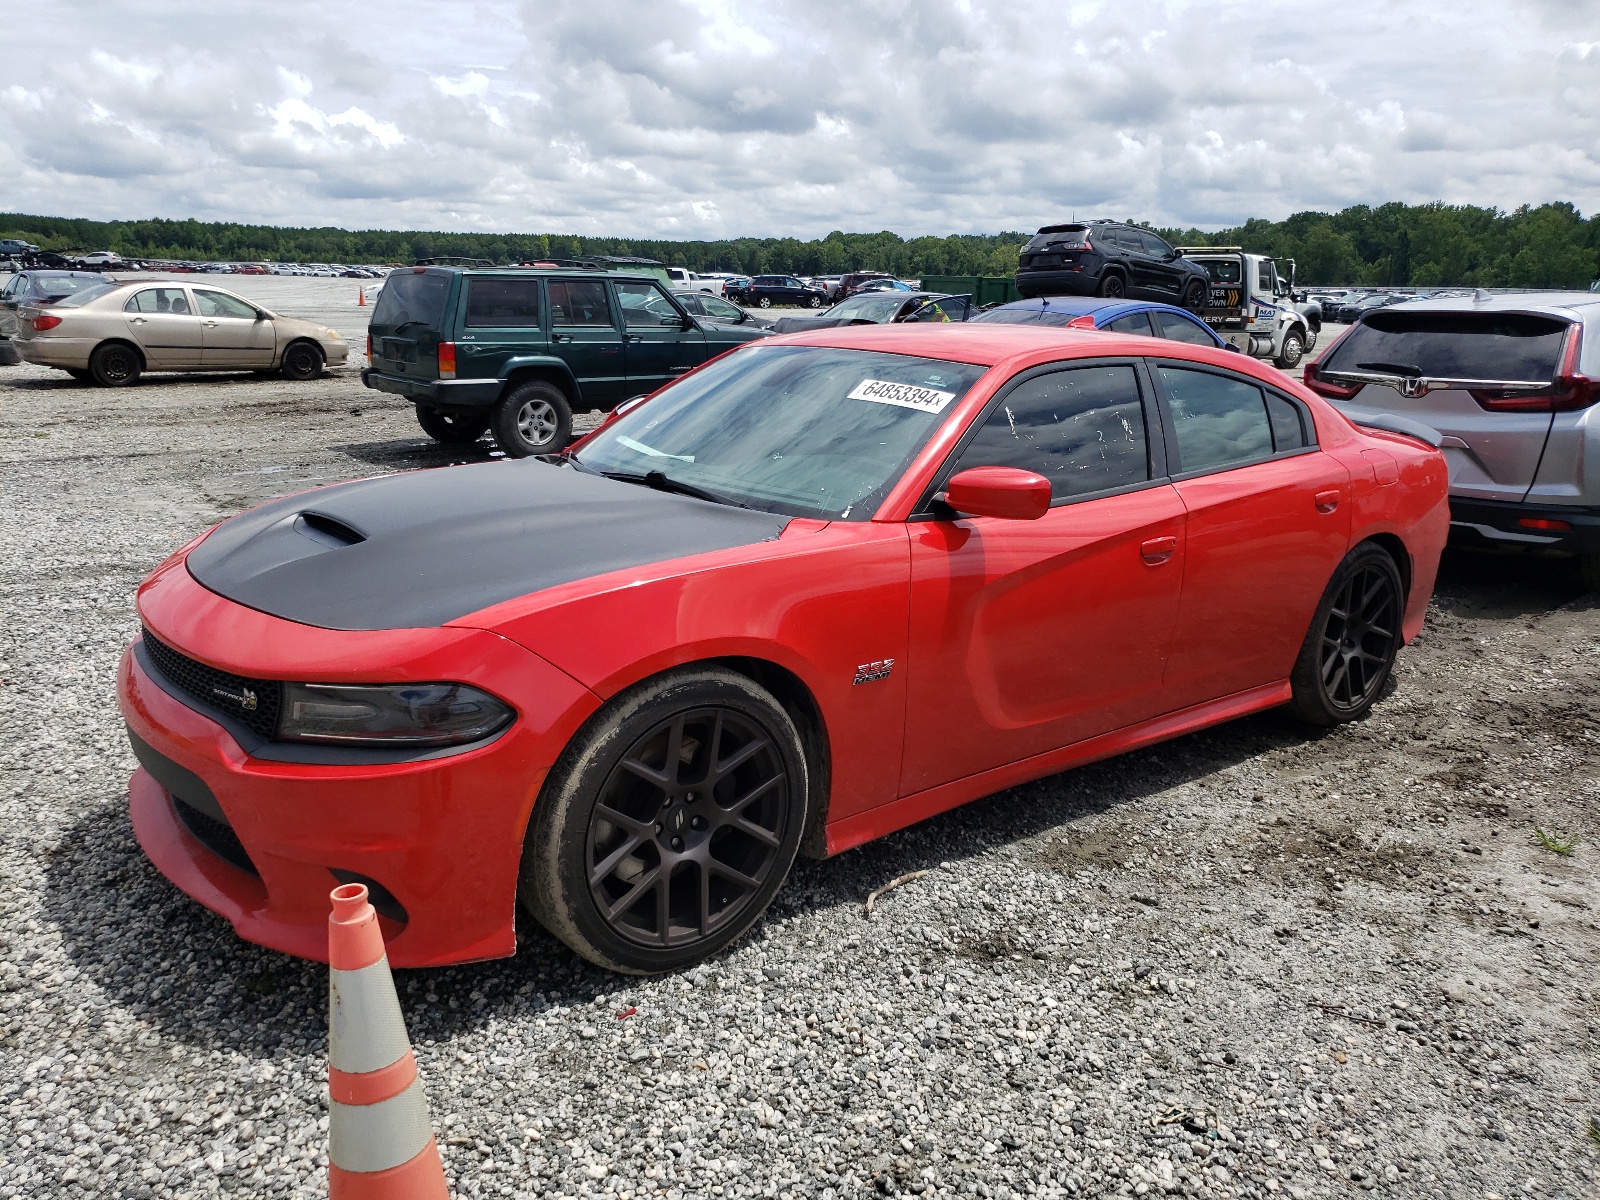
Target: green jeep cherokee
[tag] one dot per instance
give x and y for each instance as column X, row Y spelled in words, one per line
column 518, row 350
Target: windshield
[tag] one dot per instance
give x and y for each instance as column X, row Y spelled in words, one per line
column 411, row 298
column 1025, row 316
column 868, row 306
column 811, row 431
column 1501, row 346
column 91, row 292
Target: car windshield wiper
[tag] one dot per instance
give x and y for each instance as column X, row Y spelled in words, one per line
column 1396, row 368
column 408, row 325
column 665, row 483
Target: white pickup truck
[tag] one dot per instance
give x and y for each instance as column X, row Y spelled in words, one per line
column 687, row 281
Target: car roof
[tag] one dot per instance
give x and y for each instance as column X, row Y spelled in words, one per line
column 1102, row 308
column 1551, row 303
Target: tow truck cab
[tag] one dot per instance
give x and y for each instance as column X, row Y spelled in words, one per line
column 1251, row 305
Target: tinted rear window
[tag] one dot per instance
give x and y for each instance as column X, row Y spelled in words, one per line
column 1058, row 235
column 411, row 299
column 503, row 303
column 1453, row 345
column 1024, row 316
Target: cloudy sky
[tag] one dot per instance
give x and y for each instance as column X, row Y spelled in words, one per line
column 713, row 118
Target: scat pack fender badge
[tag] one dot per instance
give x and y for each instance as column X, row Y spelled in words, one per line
column 867, row 672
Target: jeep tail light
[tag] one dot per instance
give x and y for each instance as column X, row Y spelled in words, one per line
column 45, row 321
column 447, row 360
column 369, row 347
column 1084, row 322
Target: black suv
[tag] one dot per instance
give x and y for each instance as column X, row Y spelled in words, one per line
column 1109, row 258
column 518, row 350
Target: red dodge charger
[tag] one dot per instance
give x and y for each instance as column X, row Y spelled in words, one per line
column 816, row 590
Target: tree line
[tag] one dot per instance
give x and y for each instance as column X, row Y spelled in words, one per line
column 1552, row 245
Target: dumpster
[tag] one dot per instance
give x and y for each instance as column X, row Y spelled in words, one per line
column 985, row 290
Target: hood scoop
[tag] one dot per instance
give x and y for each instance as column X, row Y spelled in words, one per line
column 423, row 548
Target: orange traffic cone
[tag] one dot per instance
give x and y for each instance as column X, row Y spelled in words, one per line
column 361, row 297
column 380, row 1140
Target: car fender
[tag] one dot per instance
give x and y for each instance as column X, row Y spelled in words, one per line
column 542, row 363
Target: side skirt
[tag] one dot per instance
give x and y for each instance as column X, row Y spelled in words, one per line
column 850, row 832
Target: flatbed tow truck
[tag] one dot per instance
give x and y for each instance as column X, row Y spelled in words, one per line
column 1251, row 306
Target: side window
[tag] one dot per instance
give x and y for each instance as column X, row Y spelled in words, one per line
column 1288, row 425
column 503, row 303
column 1181, row 329
column 1132, row 323
column 1082, row 429
column 11, row 286
column 645, row 304
column 1154, row 245
column 1219, row 421
column 1266, row 277
column 1128, row 239
column 158, row 300
column 579, row 302
column 215, row 304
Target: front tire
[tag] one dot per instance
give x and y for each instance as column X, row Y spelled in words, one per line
column 1350, row 648
column 533, row 418
column 669, row 823
column 453, row 429
column 814, row 302
column 1292, row 350
column 1112, row 287
column 115, row 364
column 301, row 361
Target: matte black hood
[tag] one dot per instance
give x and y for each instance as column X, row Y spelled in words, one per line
column 425, row 547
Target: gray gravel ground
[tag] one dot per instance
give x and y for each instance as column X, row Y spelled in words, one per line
column 1246, row 963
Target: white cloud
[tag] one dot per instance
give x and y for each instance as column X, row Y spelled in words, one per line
column 715, row 118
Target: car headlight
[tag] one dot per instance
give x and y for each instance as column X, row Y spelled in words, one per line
column 333, row 335
column 400, row 714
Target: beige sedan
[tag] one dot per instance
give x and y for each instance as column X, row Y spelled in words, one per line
column 111, row 335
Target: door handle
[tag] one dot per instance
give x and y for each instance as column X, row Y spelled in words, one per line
column 209, row 324
column 136, row 320
column 633, row 337
column 1328, row 501
column 1158, row 550
column 560, row 337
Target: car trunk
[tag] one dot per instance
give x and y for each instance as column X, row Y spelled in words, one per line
column 1493, row 436
column 406, row 323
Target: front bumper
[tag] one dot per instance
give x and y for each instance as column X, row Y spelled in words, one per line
column 443, row 393
column 1083, row 282
column 442, row 835
column 1499, row 524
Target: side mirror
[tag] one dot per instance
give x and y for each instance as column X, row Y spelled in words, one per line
column 1007, row 492
column 1232, row 347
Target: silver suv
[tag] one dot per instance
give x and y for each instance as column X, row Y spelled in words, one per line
column 1512, row 384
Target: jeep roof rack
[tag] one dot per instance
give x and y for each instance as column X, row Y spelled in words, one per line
column 445, row 260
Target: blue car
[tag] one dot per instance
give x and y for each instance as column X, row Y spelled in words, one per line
column 1097, row 312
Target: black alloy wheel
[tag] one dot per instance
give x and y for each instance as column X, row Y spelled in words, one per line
column 115, row 364
column 302, row 361
column 670, row 822
column 1194, row 296
column 687, row 828
column 1354, row 637
column 1111, row 286
column 453, row 429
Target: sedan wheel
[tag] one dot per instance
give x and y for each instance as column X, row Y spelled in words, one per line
column 671, row 824
column 302, row 361
column 115, row 364
column 1354, row 637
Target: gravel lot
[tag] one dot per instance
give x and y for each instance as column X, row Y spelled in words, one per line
column 1248, row 962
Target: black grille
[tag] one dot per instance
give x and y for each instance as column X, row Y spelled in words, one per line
column 253, row 703
column 217, row 836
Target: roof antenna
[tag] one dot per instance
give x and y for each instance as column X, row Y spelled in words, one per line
column 1480, row 295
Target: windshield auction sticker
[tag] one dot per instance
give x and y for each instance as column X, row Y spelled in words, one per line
column 903, row 395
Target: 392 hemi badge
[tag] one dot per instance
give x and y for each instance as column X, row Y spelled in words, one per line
column 244, row 697
column 867, row 672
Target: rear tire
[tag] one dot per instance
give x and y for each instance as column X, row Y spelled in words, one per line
column 453, row 429
column 80, row 375
column 9, row 355
column 1589, row 572
column 1112, row 287
column 115, row 364
column 637, row 807
column 765, row 302
column 1194, row 297
column 532, row 418
column 1350, row 648
column 301, row 361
